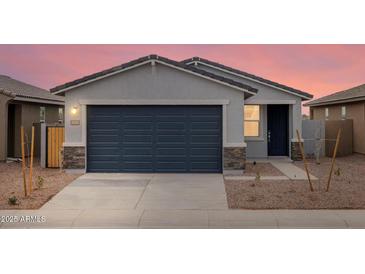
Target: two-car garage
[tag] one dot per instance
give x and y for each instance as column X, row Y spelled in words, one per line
column 154, row 115
column 154, row 138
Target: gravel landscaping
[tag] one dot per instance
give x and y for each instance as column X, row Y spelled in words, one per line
column 347, row 188
column 264, row 169
column 11, row 184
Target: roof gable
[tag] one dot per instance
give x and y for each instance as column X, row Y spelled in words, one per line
column 302, row 94
column 154, row 59
column 349, row 95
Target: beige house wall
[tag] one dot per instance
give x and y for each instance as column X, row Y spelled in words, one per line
column 354, row 111
column 4, row 99
column 30, row 115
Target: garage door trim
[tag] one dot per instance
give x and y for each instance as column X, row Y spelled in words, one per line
column 193, row 110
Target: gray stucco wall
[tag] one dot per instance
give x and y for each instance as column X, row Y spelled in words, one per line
column 157, row 82
column 257, row 147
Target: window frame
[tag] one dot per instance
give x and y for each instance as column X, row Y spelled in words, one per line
column 326, row 113
column 40, row 114
column 259, row 122
column 343, row 113
column 61, row 118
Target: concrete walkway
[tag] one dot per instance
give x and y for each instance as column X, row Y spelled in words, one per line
column 292, row 171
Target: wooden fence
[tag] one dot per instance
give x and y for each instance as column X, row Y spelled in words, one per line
column 55, row 139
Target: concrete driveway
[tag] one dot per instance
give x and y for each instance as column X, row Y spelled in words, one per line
column 139, row 191
column 140, row 200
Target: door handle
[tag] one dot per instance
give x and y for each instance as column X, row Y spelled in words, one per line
column 269, row 136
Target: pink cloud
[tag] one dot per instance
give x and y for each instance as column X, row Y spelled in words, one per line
column 317, row 69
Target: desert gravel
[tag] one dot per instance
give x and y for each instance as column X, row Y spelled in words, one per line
column 264, row 169
column 11, row 184
column 347, row 189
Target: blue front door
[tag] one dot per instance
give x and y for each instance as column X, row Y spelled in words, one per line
column 277, row 130
column 154, row 139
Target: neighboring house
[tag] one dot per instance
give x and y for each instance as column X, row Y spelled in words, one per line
column 347, row 104
column 22, row 104
column 154, row 114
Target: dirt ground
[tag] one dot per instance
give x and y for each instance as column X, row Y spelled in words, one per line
column 264, row 169
column 347, row 190
column 11, row 184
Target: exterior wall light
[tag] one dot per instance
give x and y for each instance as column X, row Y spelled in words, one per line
column 74, row 110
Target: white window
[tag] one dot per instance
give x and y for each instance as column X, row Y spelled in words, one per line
column 252, row 120
column 343, row 112
column 60, row 115
column 326, row 113
column 42, row 114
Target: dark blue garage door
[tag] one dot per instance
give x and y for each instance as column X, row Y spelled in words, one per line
column 154, row 139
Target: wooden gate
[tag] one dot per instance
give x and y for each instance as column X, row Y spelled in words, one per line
column 55, row 139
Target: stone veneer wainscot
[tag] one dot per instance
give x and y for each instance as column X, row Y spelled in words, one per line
column 234, row 158
column 295, row 151
column 74, row 157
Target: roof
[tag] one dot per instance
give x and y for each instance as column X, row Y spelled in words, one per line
column 349, row 95
column 26, row 91
column 158, row 59
column 7, row 93
column 304, row 95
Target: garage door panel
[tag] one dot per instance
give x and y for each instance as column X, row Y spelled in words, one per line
column 206, row 139
column 137, row 151
column 137, row 166
column 140, row 138
column 168, row 166
column 103, row 150
column 204, row 166
column 103, row 125
column 104, row 166
column 104, row 138
column 205, row 151
column 162, row 151
column 140, row 125
column 172, row 139
column 154, row 138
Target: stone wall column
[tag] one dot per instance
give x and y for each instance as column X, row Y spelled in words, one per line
column 74, row 157
column 295, row 151
column 234, row 158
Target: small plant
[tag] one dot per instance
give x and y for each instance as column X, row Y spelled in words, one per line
column 258, row 176
column 13, row 200
column 40, row 182
column 338, row 172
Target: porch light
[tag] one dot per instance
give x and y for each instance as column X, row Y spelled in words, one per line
column 74, row 110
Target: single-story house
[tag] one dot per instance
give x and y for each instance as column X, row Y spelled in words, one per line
column 22, row 104
column 346, row 104
column 154, row 114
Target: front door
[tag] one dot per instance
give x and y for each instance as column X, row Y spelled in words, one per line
column 277, row 130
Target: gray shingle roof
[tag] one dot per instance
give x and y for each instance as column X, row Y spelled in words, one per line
column 249, row 75
column 352, row 94
column 24, row 90
column 154, row 57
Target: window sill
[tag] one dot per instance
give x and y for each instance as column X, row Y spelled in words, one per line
column 254, row 139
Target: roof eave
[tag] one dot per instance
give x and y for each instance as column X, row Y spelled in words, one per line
column 249, row 91
column 301, row 94
column 335, row 102
column 37, row 100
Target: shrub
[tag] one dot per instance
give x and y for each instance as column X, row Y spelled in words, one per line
column 40, row 182
column 13, row 200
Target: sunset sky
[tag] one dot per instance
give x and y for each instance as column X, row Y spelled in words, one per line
column 317, row 69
